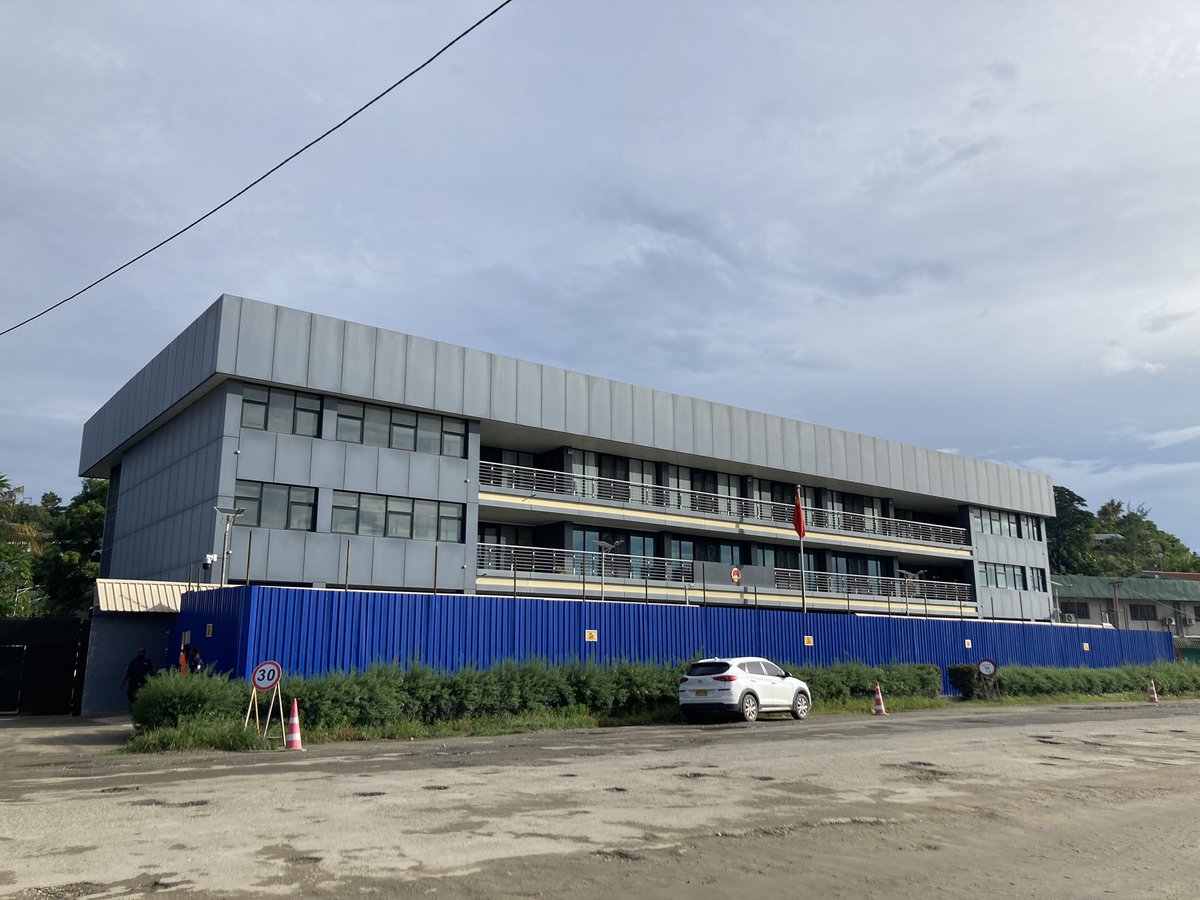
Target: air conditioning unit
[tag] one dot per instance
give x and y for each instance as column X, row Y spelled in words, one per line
column 1189, row 621
column 1168, row 620
column 1068, row 617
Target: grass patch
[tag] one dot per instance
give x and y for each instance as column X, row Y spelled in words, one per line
column 198, row 734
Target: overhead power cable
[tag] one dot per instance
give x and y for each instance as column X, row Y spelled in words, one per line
column 260, row 178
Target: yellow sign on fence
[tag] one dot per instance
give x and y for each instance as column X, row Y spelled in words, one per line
column 591, row 635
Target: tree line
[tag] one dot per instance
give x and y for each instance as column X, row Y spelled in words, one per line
column 49, row 552
column 1116, row 540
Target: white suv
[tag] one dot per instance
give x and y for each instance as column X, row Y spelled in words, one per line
column 746, row 685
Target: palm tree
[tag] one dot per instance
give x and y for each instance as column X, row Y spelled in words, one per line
column 13, row 532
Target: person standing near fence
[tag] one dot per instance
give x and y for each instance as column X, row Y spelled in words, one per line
column 137, row 673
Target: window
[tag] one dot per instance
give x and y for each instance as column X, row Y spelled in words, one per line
column 373, row 515
column 1031, row 528
column 1080, row 609
column 1037, row 579
column 994, row 521
column 276, row 505
column 284, row 412
column 400, row 429
column 999, row 575
column 1142, row 612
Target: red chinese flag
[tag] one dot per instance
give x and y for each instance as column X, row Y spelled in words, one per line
column 798, row 518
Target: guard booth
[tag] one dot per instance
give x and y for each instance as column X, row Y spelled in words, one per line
column 42, row 665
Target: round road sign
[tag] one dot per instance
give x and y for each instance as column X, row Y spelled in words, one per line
column 987, row 668
column 735, row 575
column 266, row 675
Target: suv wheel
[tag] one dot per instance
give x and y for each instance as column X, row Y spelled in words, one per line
column 749, row 707
column 800, row 706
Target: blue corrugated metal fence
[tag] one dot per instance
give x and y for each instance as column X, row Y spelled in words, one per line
column 312, row 632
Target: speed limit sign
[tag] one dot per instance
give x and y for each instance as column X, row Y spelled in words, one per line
column 266, row 675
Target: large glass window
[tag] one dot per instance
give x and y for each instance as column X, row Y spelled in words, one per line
column 999, row 575
column 994, row 521
column 1037, row 579
column 276, row 505
column 1031, row 528
column 281, row 411
column 400, row 429
column 374, row 515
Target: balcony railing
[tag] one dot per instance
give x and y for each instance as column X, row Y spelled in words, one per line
column 899, row 589
column 582, row 563
column 589, row 565
column 544, row 481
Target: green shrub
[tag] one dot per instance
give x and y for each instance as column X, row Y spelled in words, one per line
column 169, row 698
column 848, row 681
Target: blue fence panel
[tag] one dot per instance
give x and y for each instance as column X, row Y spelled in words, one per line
column 311, row 632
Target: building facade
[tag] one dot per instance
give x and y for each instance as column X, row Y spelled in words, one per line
column 350, row 456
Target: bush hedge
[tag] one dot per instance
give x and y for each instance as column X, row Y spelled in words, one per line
column 376, row 699
column 390, row 700
column 1035, row 681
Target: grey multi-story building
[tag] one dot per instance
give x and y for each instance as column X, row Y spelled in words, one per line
column 350, row 456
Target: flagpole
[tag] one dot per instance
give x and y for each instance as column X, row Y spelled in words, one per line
column 803, row 593
column 798, row 524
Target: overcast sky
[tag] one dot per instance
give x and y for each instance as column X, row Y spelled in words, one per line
column 967, row 226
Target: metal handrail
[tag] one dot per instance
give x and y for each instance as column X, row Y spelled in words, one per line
column 900, row 589
column 545, row 481
column 582, row 563
column 588, row 564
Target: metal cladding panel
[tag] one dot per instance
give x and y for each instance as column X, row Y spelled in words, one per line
column 420, row 363
column 702, row 427
column 448, row 387
column 664, row 420
column 504, row 389
column 358, row 361
column 554, row 398
column 362, row 468
column 313, row 632
column 722, row 440
column 683, row 425
column 477, row 384
column 290, row 360
column 256, row 341
column 528, row 394
column 599, row 408
column 325, row 354
column 643, row 416
column 393, row 472
column 391, row 352
column 622, row 413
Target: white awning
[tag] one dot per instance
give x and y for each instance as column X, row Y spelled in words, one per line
column 117, row 595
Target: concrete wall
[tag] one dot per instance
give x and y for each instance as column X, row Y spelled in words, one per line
column 114, row 641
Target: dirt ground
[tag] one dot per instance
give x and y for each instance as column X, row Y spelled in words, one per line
column 1070, row 802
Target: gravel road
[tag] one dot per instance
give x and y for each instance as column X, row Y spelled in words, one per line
column 1064, row 802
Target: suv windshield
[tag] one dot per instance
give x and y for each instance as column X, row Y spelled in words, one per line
column 708, row 668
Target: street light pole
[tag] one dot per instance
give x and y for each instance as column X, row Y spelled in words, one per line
column 230, row 513
column 605, row 549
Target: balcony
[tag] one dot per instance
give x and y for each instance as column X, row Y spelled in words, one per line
column 544, row 571
column 526, row 481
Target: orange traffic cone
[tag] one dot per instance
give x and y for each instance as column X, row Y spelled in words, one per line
column 1153, row 698
column 292, row 740
column 880, row 709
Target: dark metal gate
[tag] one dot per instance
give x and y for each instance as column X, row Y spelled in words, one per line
column 41, row 665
